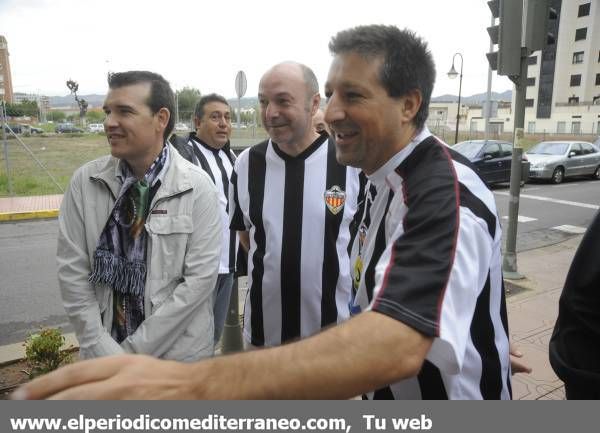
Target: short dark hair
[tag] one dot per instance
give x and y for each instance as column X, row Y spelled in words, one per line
column 407, row 62
column 161, row 94
column 213, row 97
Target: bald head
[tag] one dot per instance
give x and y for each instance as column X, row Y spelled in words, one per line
column 289, row 97
column 294, row 71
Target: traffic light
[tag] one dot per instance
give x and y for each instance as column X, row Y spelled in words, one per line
column 539, row 28
column 507, row 35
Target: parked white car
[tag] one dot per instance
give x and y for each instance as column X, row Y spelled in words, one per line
column 181, row 127
column 96, row 127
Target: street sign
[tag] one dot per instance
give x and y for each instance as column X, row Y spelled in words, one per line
column 240, row 84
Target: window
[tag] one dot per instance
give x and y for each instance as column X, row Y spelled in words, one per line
column 531, row 81
column 575, row 127
column 584, row 10
column 532, row 60
column 528, row 102
column 598, row 56
column 576, row 147
column 496, row 128
column 596, row 100
column 597, row 79
column 506, row 149
column 587, row 148
column 492, row 150
column 578, row 57
column 531, row 127
column 574, row 100
column 561, row 127
column 581, row 34
column 575, row 80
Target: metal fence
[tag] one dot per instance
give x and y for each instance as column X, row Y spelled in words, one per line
column 447, row 135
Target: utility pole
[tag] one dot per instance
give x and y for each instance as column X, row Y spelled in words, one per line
column 488, row 95
column 511, row 60
column 509, row 263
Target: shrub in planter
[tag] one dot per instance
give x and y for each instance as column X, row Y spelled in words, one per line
column 43, row 351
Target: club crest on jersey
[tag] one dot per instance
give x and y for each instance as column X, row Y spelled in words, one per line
column 335, row 198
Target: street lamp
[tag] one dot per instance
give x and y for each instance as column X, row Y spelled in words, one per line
column 453, row 74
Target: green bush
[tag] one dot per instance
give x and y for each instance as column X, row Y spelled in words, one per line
column 43, row 351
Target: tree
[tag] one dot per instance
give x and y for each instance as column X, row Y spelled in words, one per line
column 83, row 104
column 30, row 108
column 25, row 108
column 186, row 99
column 14, row 110
column 56, row 116
column 95, row 116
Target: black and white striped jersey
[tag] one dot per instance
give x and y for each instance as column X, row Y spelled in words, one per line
column 427, row 253
column 218, row 163
column 297, row 211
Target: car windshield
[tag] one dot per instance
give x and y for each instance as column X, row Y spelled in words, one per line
column 549, row 148
column 468, row 148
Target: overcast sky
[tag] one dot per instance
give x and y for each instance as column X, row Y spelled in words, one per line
column 204, row 43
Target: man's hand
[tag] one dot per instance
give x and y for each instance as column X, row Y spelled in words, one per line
column 245, row 240
column 123, row 377
column 516, row 364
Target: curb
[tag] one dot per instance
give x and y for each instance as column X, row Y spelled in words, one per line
column 19, row 216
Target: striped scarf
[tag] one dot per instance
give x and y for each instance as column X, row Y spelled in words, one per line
column 120, row 256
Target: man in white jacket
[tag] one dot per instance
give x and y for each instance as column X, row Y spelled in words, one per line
column 139, row 235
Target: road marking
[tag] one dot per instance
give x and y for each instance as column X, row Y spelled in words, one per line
column 553, row 200
column 570, row 229
column 522, row 219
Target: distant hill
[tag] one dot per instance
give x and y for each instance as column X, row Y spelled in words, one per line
column 475, row 99
column 247, row 102
column 94, row 101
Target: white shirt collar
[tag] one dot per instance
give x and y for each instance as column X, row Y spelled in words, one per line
column 379, row 176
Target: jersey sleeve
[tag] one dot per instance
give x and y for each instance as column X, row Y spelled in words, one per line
column 434, row 268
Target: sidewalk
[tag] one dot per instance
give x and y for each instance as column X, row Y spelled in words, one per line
column 532, row 303
column 532, row 313
column 24, row 208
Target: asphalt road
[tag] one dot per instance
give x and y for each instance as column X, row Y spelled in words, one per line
column 29, row 296
column 549, row 213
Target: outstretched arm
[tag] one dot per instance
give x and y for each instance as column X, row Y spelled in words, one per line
column 360, row 355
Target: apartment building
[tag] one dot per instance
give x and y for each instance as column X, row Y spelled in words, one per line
column 563, row 80
column 6, row 90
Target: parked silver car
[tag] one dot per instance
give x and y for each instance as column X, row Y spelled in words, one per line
column 555, row 160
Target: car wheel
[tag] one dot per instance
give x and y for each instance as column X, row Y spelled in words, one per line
column 596, row 174
column 558, row 175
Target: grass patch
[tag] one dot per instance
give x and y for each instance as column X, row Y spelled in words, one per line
column 60, row 154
